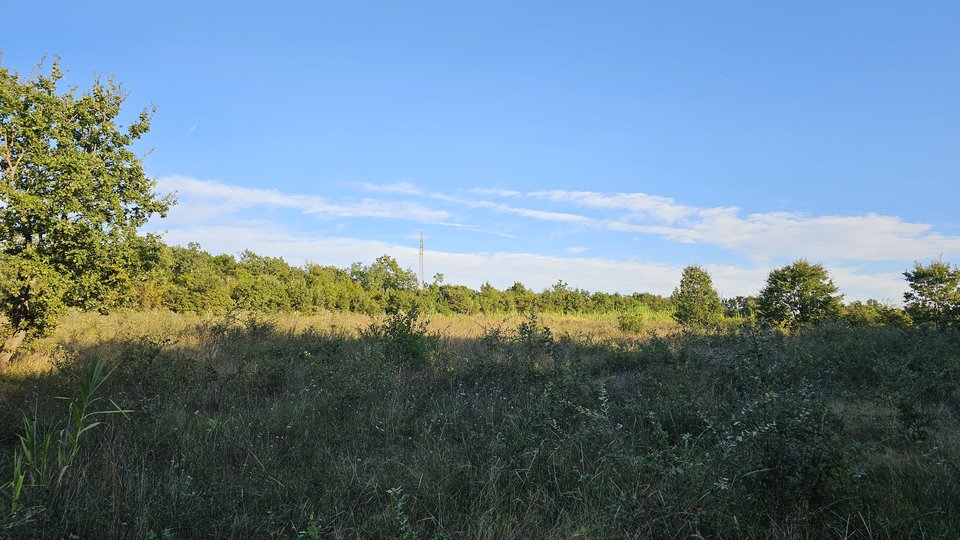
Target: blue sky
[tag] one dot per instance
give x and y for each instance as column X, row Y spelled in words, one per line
column 607, row 144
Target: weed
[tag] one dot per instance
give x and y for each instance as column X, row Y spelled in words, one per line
column 43, row 458
column 398, row 503
column 404, row 337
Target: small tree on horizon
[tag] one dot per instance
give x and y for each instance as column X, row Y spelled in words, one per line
column 697, row 302
column 934, row 295
column 797, row 295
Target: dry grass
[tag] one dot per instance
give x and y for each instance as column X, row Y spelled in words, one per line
column 96, row 332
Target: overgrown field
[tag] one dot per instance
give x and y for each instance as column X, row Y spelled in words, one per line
column 339, row 426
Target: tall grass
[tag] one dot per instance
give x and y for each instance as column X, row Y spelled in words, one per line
column 259, row 427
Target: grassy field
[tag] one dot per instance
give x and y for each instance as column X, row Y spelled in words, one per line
column 477, row 427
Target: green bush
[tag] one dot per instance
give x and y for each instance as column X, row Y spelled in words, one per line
column 639, row 318
column 404, row 337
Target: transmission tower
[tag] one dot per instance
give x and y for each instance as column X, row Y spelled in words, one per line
column 421, row 260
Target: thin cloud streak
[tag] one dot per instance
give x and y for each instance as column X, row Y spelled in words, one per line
column 407, row 188
column 638, row 204
column 763, row 236
column 496, row 192
column 542, row 215
column 236, row 198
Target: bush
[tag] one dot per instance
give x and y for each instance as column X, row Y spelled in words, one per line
column 404, row 337
column 639, row 318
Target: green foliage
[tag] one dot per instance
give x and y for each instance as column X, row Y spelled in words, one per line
column 404, row 336
column 45, row 454
column 934, row 295
column 31, row 293
column 697, row 302
column 640, row 316
column 519, row 299
column 740, row 307
column 491, row 300
column 535, row 344
column 195, row 282
column 561, row 298
column 459, row 299
column 72, row 195
column 874, row 313
column 191, row 280
column 798, row 295
column 653, row 301
column 398, row 503
column 332, row 289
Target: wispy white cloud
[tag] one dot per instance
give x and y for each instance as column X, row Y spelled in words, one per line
column 235, row 197
column 405, row 188
column 869, row 237
column 496, row 192
column 481, row 230
column 218, row 213
column 542, row 215
column 763, row 235
column 856, row 284
column 641, row 204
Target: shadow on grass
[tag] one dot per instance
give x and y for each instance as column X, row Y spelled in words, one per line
column 245, row 428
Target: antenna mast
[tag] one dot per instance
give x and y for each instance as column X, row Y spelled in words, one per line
column 421, row 260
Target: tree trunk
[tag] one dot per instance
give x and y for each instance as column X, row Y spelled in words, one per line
column 10, row 346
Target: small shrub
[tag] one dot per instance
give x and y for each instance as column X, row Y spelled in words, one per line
column 639, row 318
column 404, row 337
column 535, row 343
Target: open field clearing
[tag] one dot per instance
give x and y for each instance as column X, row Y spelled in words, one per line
column 479, row 427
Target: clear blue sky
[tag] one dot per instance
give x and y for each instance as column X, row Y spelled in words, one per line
column 604, row 143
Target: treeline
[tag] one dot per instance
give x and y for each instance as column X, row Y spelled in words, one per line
column 189, row 279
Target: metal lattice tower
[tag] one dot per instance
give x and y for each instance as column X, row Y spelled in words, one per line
column 421, row 260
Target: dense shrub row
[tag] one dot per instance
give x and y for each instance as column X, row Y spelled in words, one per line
column 192, row 280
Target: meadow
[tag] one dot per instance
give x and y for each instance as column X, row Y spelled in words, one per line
column 344, row 425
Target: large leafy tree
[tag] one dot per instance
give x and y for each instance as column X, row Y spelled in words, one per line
column 72, row 195
column 934, row 295
column 697, row 302
column 390, row 286
column 798, row 294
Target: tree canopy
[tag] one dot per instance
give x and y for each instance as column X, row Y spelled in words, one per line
column 72, row 195
column 934, row 295
column 797, row 295
column 697, row 302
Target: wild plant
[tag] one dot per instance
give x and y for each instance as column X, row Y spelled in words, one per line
column 398, row 503
column 404, row 336
column 45, row 455
column 535, row 342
